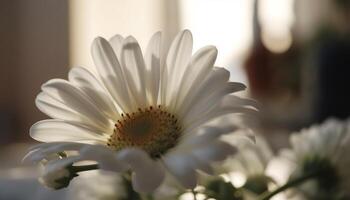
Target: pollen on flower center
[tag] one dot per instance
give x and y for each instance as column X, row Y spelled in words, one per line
column 152, row 129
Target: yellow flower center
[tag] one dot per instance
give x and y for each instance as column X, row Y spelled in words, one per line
column 153, row 129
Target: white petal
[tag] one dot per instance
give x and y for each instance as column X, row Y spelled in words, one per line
column 152, row 60
column 164, row 74
column 89, row 84
column 41, row 151
column 64, row 92
column 56, row 130
column 193, row 162
column 149, row 174
column 56, row 109
column 134, row 70
column 223, row 108
column 111, row 73
column 134, row 157
column 208, row 102
column 117, row 42
column 240, row 136
column 206, row 142
column 204, row 136
column 177, row 61
column 216, row 151
column 200, row 65
column 181, row 167
column 105, row 157
column 216, row 79
column 242, row 101
column 228, row 105
column 148, row 181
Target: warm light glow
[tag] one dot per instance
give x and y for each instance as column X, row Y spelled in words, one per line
column 189, row 196
column 277, row 43
column 279, row 169
column 226, row 24
column 276, row 19
column 238, row 179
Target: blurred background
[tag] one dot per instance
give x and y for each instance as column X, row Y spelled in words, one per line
column 294, row 55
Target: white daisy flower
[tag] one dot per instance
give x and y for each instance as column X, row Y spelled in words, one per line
column 244, row 172
column 147, row 114
column 320, row 153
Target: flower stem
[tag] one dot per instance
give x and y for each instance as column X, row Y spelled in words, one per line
column 289, row 184
column 194, row 194
column 82, row 168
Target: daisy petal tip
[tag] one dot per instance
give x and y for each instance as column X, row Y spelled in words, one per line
column 116, row 37
column 243, row 86
column 49, row 83
column 186, row 32
column 215, row 51
column 98, row 40
column 212, row 49
column 157, row 34
column 184, row 35
column 129, row 39
column 26, row 159
column 31, row 158
column 98, row 43
column 32, row 130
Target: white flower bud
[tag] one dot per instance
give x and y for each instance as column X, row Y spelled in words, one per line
column 56, row 178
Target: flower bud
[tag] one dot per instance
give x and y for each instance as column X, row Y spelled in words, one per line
column 56, row 177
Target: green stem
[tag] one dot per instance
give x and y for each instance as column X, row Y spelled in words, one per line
column 289, row 184
column 194, row 194
column 82, row 168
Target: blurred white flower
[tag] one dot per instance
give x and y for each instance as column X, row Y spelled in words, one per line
column 251, row 159
column 146, row 113
column 246, row 169
column 320, row 151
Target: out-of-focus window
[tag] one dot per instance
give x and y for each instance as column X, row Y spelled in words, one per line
column 226, row 24
column 92, row 18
